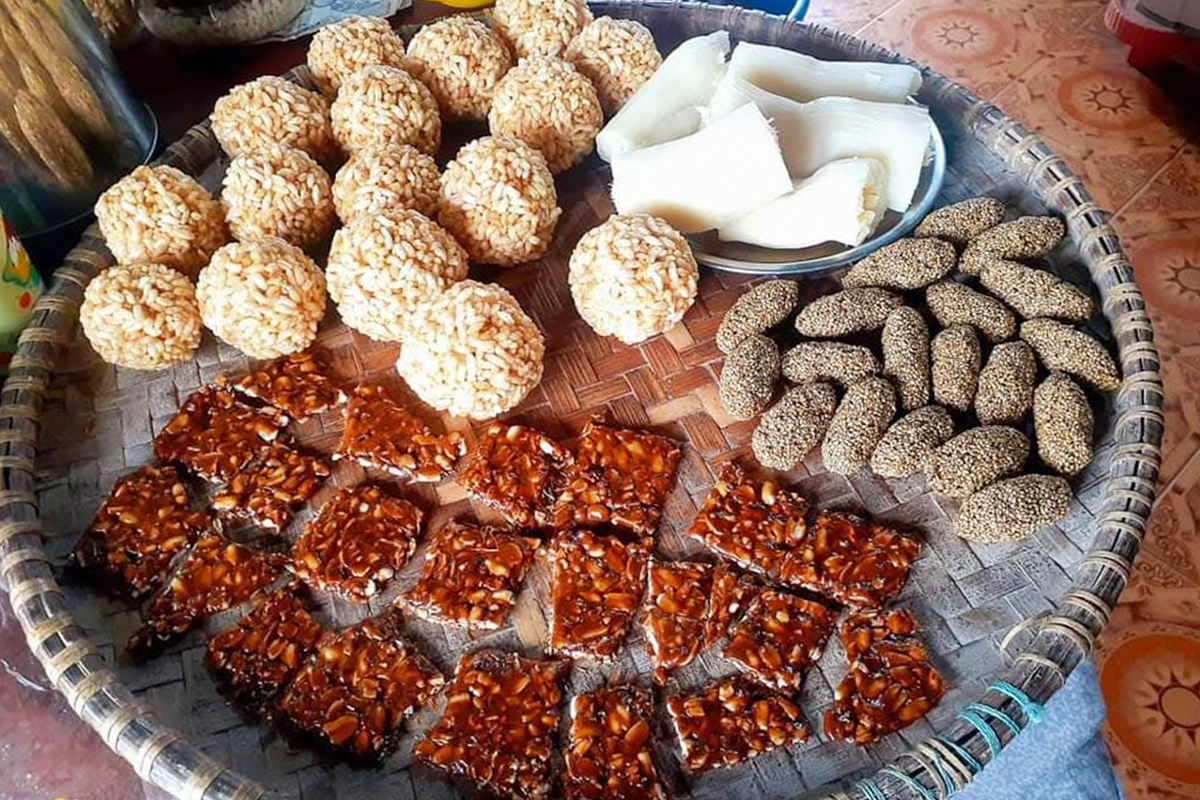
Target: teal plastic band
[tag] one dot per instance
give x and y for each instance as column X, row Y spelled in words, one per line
column 1033, row 711
column 944, row 776
column 870, row 790
column 910, row 782
column 962, row 752
column 978, row 723
column 929, row 761
column 996, row 714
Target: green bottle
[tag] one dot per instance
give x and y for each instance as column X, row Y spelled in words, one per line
column 20, row 287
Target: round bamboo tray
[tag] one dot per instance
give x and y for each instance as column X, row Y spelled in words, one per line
column 70, row 425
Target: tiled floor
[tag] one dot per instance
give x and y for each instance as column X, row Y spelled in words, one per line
column 1053, row 65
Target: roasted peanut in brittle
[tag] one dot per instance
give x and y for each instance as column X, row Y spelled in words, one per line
column 518, row 471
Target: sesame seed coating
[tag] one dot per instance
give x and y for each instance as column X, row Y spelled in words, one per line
column 1061, row 347
column 905, row 264
column 762, row 308
column 961, row 222
column 1025, row 237
column 858, row 424
column 975, row 458
column 792, row 427
column 749, row 376
column 910, row 442
column 1035, row 292
column 956, row 359
column 954, row 303
column 1063, row 423
column 1013, row 509
column 836, row 362
column 847, row 311
column 1005, row 392
column 906, row 356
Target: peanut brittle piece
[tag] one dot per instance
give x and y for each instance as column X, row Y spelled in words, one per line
column 214, row 435
column 752, row 522
column 500, row 724
column 779, row 638
column 215, row 576
column 676, row 613
column 620, row 477
column 295, row 385
column 471, row 576
column 145, row 522
column 256, row 659
column 518, row 471
column 730, row 597
column 355, row 693
column 268, row 491
column 732, row 720
column 358, row 541
column 382, row 434
column 857, row 562
column 890, row 684
column 596, row 584
column 610, row 752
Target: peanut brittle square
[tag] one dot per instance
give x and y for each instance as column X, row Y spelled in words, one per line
column 215, row 576
column 356, row 692
column 358, row 541
column 295, row 385
column 732, row 720
column 779, row 638
column 620, row 477
column 256, row 659
column 382, row 434
column 596, row 585
column 752, row 522
column 214, row 435
column 268, row 491
column 890, row 683
column 676, row 613
column 731, row 596
column 500, row 724
column 471, row 576
column 145, row 522
column 857, row 562
column 610, row 752
column 518, row 471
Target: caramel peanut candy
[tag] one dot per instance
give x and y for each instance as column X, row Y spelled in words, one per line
column 779, row 638
column 256, row 659
column 610, row 752
column 749, row 521
column 858, row 563
column 676, row 613
column 267, row 492
column 620, row 477
column 359, row 540
column 518, row 471
column 214, row 435
column 596, row 585
column 295, row 385
column 731, row 595
column 499, row 727
column 215, row 576
column 472, row 575
column 355, row 693
column 731, row 721
column 383, row 435
column 890, row 684
column 145, row 522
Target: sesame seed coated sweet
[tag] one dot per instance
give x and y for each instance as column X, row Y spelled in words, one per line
column 954, row 303
column 906, row 356
column 858, row 424
column 845, row 312
column 836, row 362
column 1025, row 237
column 1063, row 423
column 761, row 308
column 792, row 427
column 1035, row 292
column 910, row 442
column 749, row 376
column 905, row 264
column 1013, row 509
column 961, row 222
column 956, row 358
column 977, row 457
column 1061, row 347
column 1005, row 392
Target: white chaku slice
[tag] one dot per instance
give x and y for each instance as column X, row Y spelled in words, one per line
column 801, row 77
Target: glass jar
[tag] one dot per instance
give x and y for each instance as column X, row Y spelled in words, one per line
column 207, row 23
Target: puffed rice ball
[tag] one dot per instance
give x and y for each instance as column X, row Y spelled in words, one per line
column 278, row 191
column 473, row 351
column 160, row 215
column 141, row 316
column 386, row 105
column 548, row 105
column 617, row 56
column 339, row 50
column 461, row 60
column 273, row 110
column 499, row 202
column 632, row 277
column 384, row 267
column 117, row 19
column 264, row 297
column 385, row 177
column 540, row 27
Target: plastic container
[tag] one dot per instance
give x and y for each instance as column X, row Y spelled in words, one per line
column 203, row 23
column 20, row 287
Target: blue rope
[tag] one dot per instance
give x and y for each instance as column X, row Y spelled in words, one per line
column 996, row 714
column 961, row 752
column 944, row 776
column 985, row 730
column 1033, row 711
column 910, row 782
column 870, row 790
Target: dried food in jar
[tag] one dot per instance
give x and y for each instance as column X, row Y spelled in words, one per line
column 296, row 386
column 214, row 435
column 384, row 435
column 779, row 638
column 517, row 470
column 268, row 491
column 610, row 748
